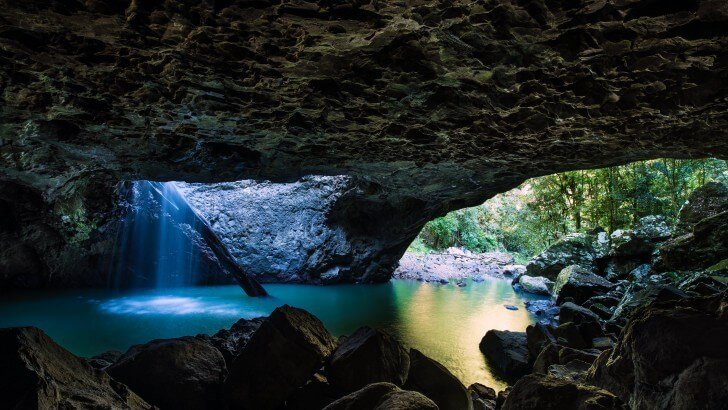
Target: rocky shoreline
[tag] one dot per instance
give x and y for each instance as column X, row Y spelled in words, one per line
column 456, row 265
column 624, row 329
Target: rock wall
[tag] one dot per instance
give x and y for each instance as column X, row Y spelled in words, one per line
column 295, row 232
column 433, row 105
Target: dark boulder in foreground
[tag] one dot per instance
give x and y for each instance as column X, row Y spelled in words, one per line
column 231, row 341
column 507, row 352
column 670, row 355
column 287, row 349
column 432, row 379
column 37, row 373
column 368, row 356
column 383, row 396
column 544, row 392
column 183, row 373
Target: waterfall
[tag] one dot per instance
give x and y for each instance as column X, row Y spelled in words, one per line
column 162, row 242
column 156, row 238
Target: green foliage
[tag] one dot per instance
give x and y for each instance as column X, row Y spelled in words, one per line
column 527, row 219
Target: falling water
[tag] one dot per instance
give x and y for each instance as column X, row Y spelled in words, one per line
column 158, row 242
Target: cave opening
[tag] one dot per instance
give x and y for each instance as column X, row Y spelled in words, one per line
column 379, row 126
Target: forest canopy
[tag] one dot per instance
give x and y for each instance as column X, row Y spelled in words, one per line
column 527, row 219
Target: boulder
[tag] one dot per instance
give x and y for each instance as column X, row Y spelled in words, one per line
column 383, row 396
column 482, row 391
column 507, row 352
column 704, row 202
column 571, row 312
column 432, row 379
column 105, row 359
column 640, row 273
column 230, row 341
column 625, row 244
column 182, row 373
column 701, row 238
column 653, row 228
column 536, row 284
column 482, row 397
column 37, row 373
column 555, row 354
column 685, row 365
column 368, row 356
column 537, row 337
column 705, row 246
column 639, row 295
column 619, row 268
column 316, row 394
column 546, row 310
column 574, row 249
column 579, row 284
column 545, row 392
column 282, row 355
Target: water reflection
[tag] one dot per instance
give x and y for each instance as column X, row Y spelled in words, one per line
column 445, row 322
column 449, row 323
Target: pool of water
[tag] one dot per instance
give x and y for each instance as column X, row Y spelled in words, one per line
column 445, row 322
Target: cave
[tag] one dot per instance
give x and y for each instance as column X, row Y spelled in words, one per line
column 302, row 146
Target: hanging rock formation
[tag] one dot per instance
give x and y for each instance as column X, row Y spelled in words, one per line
column 432, row 105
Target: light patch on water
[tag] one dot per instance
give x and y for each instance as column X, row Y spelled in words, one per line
column 168, row 305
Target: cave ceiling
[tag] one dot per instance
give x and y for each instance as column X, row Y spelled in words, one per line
column 441, row 102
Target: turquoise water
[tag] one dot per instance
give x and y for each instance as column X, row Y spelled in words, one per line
column 445, row 322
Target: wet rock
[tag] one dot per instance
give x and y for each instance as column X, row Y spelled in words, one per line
column 230, row 341
column 514, row 270
column 546, row 310
column 507, row 352
column 368, row 356
column 574, row 249
column 383, row 396
column 538, row 285
column 183, row 373
column 549, row 392
column 578, row 284
column 432, row 379
column 37, row 373
column 686, row 364
column 282, row 355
